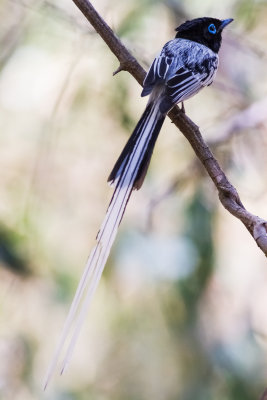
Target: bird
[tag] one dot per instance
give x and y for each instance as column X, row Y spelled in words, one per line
column 185, row 65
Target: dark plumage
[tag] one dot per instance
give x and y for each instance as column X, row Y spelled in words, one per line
column 185, row 65
column 197, row 30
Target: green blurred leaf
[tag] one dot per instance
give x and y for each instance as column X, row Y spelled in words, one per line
column 12, row 251
column 198, row 220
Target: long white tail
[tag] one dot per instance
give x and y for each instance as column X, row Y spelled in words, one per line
column 127, row 174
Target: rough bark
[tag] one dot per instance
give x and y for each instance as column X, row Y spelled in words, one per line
column 227, row 193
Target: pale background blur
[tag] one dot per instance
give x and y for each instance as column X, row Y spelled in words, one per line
column 181, row 311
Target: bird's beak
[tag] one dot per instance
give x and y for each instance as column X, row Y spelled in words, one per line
column 225, row 22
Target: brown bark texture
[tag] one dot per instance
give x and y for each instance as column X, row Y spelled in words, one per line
column 227, row 193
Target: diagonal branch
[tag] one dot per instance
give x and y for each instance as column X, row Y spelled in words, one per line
column 228, row 195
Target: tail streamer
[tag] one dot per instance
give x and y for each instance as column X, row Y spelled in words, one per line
column 127, row 174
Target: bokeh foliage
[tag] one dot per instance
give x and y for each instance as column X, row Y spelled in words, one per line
column 181, row 310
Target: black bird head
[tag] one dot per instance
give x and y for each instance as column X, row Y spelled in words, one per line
column 207, row 31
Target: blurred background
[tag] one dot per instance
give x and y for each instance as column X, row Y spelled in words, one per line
column 180, row 312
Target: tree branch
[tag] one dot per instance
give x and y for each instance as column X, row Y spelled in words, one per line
column 228, row 195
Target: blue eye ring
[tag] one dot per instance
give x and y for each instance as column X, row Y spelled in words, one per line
column 212, row 29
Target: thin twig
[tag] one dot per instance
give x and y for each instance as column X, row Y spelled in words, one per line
column 227, row 193
column 251, row 117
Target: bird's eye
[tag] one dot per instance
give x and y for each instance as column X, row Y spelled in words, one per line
column 212, row 29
